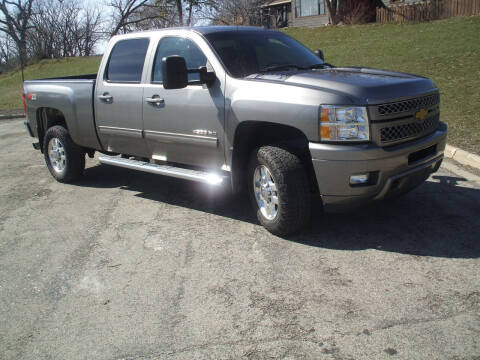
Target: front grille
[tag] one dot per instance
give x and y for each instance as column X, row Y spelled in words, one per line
column 408, row 105
column 409, row 130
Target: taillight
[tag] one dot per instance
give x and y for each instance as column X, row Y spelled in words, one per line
column 24, row 104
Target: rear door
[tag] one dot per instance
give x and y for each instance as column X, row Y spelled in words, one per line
column 119, row 98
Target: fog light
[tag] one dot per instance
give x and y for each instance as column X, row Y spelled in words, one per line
column 359, row 179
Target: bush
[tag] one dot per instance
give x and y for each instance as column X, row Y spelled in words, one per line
column 354, row 12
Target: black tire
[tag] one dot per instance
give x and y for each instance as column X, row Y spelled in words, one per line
column 74, row 156
column 292, row 188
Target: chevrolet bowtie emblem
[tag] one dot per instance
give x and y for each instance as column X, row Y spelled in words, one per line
column 421, row 114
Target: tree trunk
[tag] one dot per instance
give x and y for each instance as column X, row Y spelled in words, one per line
column 332, row 7
column 190, row 10
column 180, row 12
column 22, row 50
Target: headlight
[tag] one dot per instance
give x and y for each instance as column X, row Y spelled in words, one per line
column 341, row 123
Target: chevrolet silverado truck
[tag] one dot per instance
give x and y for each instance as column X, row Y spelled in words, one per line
column 249, row 108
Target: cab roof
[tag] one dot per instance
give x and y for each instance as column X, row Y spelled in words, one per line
column 203, row 30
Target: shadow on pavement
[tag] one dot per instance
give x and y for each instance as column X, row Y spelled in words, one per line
column 439, row 219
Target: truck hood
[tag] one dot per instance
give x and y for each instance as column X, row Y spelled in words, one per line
column 362, row 85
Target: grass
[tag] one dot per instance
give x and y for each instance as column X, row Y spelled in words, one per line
column 447, row 51
column 11, row 82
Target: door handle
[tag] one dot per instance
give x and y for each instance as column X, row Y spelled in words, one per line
column 155, row 100
column 106, row 97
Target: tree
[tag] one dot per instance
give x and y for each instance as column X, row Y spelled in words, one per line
column 126, row 14
column 232, row 12
column 194, row 6
column 350, row 10
column 8, row 52
column 64, row 28
column 15, row 23
column 163, row 14
column 134, row 14
column 91, row 32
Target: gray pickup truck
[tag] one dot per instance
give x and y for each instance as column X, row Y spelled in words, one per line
column 248, row 108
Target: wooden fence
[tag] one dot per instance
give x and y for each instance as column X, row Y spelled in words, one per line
column 428, row 10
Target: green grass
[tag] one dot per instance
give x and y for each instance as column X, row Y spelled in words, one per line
column 447, row 51
column 11, row 82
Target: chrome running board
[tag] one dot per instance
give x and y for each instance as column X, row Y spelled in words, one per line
column 167, row 170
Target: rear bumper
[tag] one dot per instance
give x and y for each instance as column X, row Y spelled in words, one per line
column 393, row 170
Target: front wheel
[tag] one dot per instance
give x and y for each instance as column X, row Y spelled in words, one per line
column 279, row 190
column 65, row 159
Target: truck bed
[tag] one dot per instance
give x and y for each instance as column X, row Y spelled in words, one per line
column 72, row 96
column 73, row 77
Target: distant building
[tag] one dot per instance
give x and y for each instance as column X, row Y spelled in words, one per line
column 295, row 13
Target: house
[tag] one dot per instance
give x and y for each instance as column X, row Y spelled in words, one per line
column 295, row 13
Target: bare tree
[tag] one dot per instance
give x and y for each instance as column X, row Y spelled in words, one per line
column 16, row 22
column 179, row 5
column 8, row 52
column 64, row 28
column 134, row 14
column 233, row 12
column 194, row 7
column 91, row 31
column 126, row 14
column 160, row 14
column 339, row 9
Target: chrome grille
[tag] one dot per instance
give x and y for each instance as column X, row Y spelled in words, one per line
column 408, row 105
column 409, row 130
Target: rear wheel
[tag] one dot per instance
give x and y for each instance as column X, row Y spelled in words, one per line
column 65, row 159
column 279, row 190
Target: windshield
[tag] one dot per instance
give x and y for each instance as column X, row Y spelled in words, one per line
column 250, row 52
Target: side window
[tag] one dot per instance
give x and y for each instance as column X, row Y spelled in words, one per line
column 126, row 61
column 186, row 48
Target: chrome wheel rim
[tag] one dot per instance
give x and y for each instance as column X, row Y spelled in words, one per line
column 56, row 154
column 265, row 191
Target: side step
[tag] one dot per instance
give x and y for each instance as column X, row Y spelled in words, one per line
column 167, row 170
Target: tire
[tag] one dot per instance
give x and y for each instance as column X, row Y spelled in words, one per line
column 65, row 159
column 291, row 209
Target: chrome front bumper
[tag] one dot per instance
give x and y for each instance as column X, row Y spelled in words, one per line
column 395, row 169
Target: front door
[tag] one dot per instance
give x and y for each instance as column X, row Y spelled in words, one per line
column 184, row 125
column 119, row 99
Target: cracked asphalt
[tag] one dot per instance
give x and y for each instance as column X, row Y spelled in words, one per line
column 124, row 265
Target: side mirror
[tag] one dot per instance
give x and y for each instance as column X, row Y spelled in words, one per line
column 319, row 53
column 175, row 73
column 207, row 77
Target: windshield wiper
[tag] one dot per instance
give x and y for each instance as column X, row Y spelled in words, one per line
column 281, row 67
column 320, row 66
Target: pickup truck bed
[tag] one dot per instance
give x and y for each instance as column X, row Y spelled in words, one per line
column 72, row 97
column 71, row 77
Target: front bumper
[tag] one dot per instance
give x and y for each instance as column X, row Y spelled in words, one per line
column 394, row 169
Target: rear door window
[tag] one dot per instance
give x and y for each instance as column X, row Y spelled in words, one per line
column 126, row 61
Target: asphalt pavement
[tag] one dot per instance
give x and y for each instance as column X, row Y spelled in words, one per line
column 126, row 265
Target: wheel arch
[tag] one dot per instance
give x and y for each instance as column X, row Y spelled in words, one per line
column 46, row 118
column 250, row 135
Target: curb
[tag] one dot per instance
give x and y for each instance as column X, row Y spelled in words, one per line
column 462, row 156
column 12, row 116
